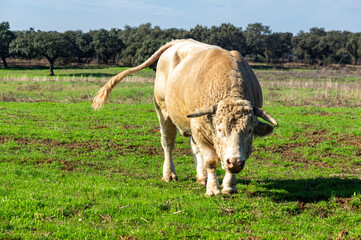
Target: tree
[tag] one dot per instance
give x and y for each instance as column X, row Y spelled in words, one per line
column 353, row 46
column 107, row 45
column 320, row 32
column 149, row 47
column 140, row 38
column 336, row 41
column 256, row 34
column 51, row 45
column 311, row 46
column 23, row 45
column 277, row 46
column 6, row 36
column 31, row 44
column 200, row 33
column 174, row 33
column 228, row 37
column 79, row 45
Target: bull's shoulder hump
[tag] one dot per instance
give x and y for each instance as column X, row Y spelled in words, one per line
column 189, row 48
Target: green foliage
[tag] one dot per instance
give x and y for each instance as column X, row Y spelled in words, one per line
column 200, row 33
column 142, row 42
column 337, row 40
column 256, row 35
column 319, row 46
column 228, row 37
column 107, row 45
column 353, row 46
column 79, row 47
column 149, row 47
column 50, row 45
column 6, row 36
column 306, row 46
column 278, row 46
column 132, row 45
column 23, row 45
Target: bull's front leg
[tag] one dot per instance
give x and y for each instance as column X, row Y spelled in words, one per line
column 210, row 160
column 229, row 183
column 212, row 181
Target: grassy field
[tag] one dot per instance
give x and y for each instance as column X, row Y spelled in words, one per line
column 67, row 172
column 68, row 74
column 323, row 88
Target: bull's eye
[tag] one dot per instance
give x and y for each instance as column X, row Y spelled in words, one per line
column 219, row 131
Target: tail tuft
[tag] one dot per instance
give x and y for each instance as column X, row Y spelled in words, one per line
column 100, row 98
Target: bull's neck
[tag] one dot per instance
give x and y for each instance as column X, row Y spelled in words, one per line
column 237, row 86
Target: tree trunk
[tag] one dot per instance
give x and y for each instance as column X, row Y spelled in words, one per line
column 51, row 66
column 4, row 61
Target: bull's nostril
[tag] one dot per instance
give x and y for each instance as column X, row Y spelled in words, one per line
column 235, row 163
column 229, row 163
column 235, row 160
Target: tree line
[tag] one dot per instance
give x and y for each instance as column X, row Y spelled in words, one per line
column 133, row 45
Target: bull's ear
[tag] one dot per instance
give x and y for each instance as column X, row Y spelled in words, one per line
column 263, row 129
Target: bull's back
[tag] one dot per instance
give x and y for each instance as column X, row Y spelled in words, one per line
column 172, row 61
column 192, row 75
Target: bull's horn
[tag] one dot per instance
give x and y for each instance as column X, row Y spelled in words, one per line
column 264, row 115
column 244, row 102
column 203, row 111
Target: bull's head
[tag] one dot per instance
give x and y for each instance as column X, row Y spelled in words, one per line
column 234, row 125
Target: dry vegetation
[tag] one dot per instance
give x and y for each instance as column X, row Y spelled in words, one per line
column 26, row 78
column 323, row 88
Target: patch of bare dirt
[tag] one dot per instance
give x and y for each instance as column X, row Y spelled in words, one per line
column 142, row 149
column 342, row 235
column 346, row 203
column 100, row 127
column 289, row 153
column 49, row 143
column 69, row 166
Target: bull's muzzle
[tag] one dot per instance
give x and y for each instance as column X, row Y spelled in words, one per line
column 235, row 164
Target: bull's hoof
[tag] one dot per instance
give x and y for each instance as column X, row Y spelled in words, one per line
column 229, row 191
column 211, row 193
column 170, row 177
column 202, row 181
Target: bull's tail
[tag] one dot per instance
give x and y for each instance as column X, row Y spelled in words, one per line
column 102, row 95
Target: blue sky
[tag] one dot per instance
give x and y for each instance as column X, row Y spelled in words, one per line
column 280, row 15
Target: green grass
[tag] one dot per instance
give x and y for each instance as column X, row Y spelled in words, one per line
column 67, row 172
column 71, row 92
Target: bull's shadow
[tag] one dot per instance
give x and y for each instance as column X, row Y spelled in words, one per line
column 306, row 190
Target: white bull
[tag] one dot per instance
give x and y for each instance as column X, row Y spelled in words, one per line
column 212, row 96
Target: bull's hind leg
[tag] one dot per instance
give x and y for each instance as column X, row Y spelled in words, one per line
column 201, row 170
column 168, row 134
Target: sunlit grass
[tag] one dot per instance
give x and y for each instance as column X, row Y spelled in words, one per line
column 68, row 172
